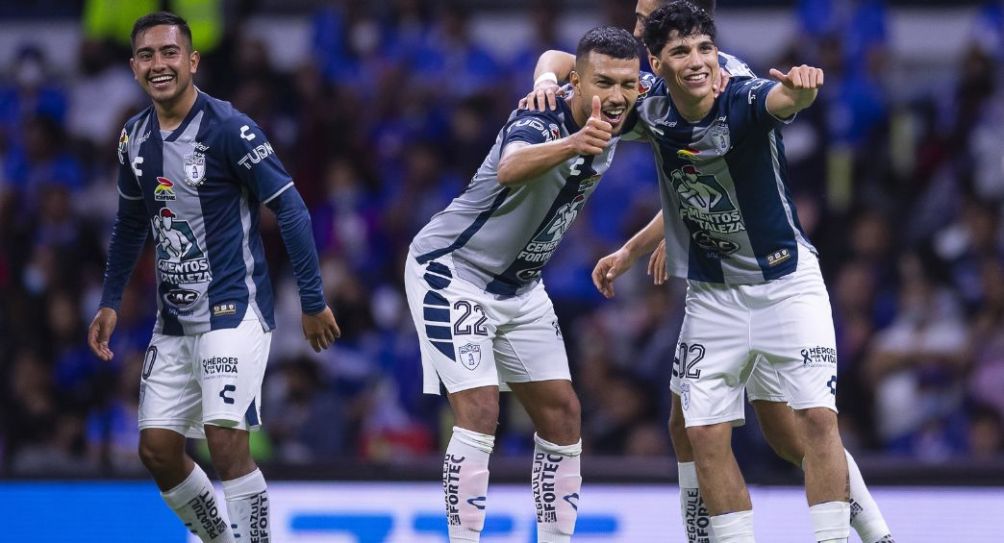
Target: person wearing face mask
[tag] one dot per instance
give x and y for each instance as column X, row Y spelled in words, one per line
column 194, row 172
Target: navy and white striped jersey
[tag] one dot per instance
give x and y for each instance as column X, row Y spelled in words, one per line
column 197, row 189
column 729, row 216
column 501, row 237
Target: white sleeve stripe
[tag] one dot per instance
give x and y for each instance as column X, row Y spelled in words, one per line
column 127, row 197
column 277, row 193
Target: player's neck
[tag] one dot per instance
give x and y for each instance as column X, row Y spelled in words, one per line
column 692, row 110
column 171, row 114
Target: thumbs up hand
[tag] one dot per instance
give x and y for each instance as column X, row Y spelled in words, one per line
column 595, row 136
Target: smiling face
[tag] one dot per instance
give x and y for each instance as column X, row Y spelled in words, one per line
column 614, row 80
column 163, row 64
column 689, row 64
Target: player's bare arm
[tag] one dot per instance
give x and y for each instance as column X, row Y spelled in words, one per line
column 552, row 66
column 320, row 329
column 522, row 161
column 616, row 263
column 100, row 332
column 797, row 91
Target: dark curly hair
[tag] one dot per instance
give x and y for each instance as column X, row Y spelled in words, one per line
column 682, row 16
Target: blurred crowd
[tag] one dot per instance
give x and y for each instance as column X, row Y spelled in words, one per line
column 899, row 186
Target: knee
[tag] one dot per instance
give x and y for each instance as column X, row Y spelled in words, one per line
column 478, row 413
column 818, row 423
column 711, row 440
column 561, row 420
column 159, row 459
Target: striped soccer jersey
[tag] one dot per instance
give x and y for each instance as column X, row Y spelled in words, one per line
column 501, row 237
column 197, row 189
column 729, row 216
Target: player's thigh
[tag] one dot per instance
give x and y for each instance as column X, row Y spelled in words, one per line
column 169, row 394
column 231, row 366
column 455, row 325
column 529, row 346
column 764, row 384
column 712, row 361
column 794, row 332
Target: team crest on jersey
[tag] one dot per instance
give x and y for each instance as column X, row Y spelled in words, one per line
column 164, row 191
column 720, row 137
column 470, row 356
column 195, row 169
column 123, row 145
column 180, row 259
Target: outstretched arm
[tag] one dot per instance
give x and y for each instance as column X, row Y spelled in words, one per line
column 797, row 91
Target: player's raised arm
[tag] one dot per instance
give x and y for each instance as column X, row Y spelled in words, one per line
column 522, row 160
column 552, row 66
column 616, row 263
column 797, row 91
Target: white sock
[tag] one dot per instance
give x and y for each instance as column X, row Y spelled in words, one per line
column 831, row 521
column 696, row 520
column 733, row 527
column 866, row 518
column 194, row 501
column 465, row 483
column 247, row 505
column 556, row 480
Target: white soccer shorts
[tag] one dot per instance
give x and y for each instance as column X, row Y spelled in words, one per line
column 782, row 330
column 210, row 378
column 470, row 338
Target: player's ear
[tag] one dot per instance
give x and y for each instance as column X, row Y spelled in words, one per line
column 195, row 57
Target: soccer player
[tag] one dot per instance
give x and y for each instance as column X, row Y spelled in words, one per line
column 473, row 282
column 763, row 388
column 194, row 171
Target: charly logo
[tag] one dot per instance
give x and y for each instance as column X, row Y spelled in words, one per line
column 164, row 191
column 180, row 260
column 470, row 356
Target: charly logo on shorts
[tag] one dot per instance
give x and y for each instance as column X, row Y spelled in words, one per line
column 819, row 357
column 470, row 356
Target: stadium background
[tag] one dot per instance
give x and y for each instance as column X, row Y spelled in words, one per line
column 381, row 111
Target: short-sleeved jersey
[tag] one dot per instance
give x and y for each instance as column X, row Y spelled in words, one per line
column 729, row 216
column 201, row 185
column 500, row 237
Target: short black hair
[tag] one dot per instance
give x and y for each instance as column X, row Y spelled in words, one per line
column 682, row 16
column 159, row 18
column 607, row 40
column 706, row 5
